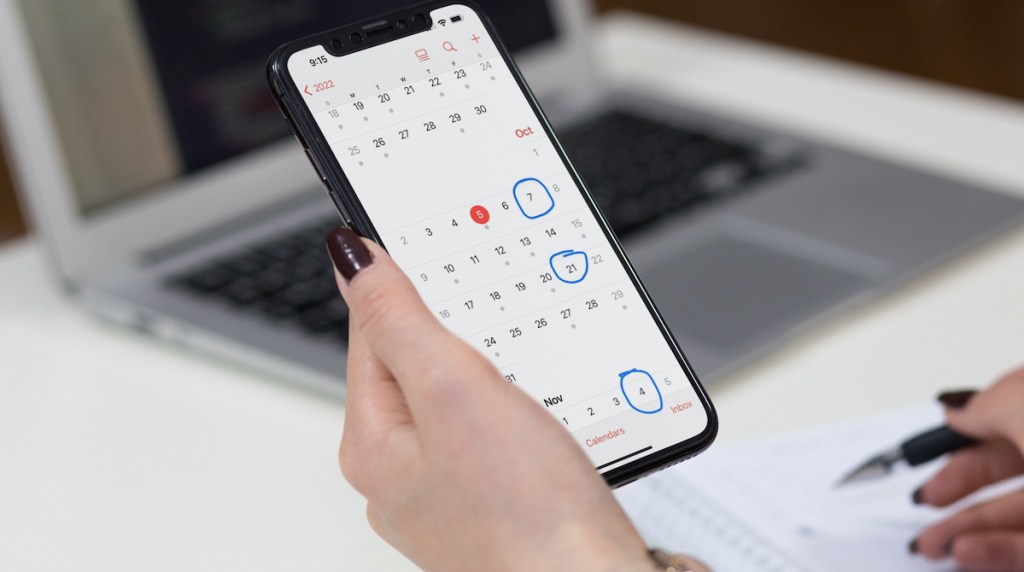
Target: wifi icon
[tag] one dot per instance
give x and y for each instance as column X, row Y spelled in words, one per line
column 443, row 22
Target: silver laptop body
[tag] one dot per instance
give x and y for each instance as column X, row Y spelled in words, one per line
column 732, row 279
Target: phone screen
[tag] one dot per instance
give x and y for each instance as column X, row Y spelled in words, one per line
column 468, row 193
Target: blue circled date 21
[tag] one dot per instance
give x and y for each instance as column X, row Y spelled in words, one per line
column 533, row 197
column 647, row 397
column 570, row 266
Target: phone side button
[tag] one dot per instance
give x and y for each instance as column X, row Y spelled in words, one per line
column 315, row 163
column 337, row 204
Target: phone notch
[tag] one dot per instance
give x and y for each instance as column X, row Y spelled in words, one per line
column 349, row 39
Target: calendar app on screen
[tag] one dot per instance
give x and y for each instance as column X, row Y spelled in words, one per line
column 471, row 198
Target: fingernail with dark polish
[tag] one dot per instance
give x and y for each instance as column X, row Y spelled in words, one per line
column 348, row 252
column 918, row 496
column 913, row 546
column 956, row 399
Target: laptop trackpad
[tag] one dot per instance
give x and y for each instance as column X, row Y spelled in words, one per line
column 729, row 295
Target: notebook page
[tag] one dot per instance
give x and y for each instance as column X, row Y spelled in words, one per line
column 673, row 515
column 775, row 499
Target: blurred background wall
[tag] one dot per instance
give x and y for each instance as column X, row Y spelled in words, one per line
column 969, row 43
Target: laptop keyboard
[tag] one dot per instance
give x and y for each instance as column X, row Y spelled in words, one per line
column 286, row 279
column 638, row 170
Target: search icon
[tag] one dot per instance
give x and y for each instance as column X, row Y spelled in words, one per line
column 448, row 47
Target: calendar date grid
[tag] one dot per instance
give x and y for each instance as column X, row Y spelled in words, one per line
column 519, row 277
column 611, row 403
column 459, row 212
column 536, row 312
column 498, row 239
column 401, row 122
column 395, row 92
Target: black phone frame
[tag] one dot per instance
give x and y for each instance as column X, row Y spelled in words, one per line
column 313, row 141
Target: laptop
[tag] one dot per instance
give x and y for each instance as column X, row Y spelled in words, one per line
column 163, row 182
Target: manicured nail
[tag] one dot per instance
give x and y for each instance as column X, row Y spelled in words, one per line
column 348, row 252
column 918, row 496
column 913, row 546
column 956, row 399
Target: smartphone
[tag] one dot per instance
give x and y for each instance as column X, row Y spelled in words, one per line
column 428, row 141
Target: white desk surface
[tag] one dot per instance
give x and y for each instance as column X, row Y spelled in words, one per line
column 120, row 452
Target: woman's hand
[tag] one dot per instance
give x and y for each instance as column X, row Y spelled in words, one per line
column 461, row 469
column 988, row 536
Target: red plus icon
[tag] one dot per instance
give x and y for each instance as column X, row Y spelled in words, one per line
column 475, row 38
column 479, row 214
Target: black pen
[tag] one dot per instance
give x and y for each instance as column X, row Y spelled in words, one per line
column 915, row 451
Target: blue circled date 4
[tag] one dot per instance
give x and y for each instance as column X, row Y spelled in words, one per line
column 640, row 391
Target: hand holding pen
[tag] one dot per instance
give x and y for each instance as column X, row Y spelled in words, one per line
column 990, row 535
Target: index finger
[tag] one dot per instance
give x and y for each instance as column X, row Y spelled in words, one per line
column 995, row 412
column 971, row 469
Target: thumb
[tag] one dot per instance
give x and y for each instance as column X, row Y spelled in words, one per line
column 397, row 327
column 383, row 303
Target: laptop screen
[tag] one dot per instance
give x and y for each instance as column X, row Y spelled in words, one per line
column 148, row 91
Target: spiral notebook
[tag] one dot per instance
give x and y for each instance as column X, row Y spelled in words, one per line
column 771, row 504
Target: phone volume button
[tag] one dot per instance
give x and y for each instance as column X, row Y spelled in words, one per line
column 315, row 163
column 275, row 84
column 337, row 204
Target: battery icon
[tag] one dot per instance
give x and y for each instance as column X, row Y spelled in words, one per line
column 456, row 18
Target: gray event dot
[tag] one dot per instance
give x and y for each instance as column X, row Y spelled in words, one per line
column 365, row 118
column 386, row 155
column 461, row 130
column 496, row 354
column 487, row 226
column 533, row 254
column 507, row 263
column 624, row 306
column 552, row 289
column 583, row 236
column 391, row 110
column 456, row 280
column 574, row 326
column 492, row 78
column 340, row 126
column 360, row 163
column 467, row 86
column 502, row 308
column 442, row 94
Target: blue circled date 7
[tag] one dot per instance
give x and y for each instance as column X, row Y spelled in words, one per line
column 643, row 379
column 533, row 197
